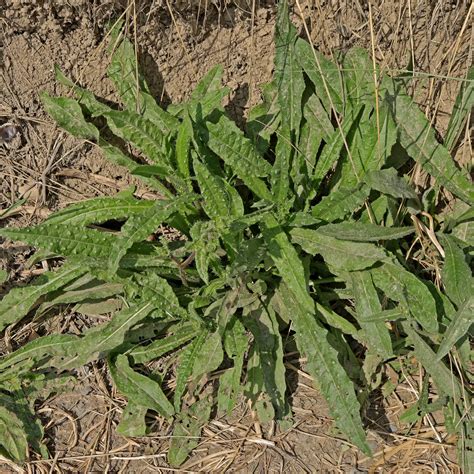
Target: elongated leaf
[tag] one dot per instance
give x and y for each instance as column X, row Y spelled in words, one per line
column 85, row 97
column 187, row 431
column 61, row 345
column 210, row 83
column 286, row 260
column 359, row 232
column 183, row 141
column 267, row 340
column 369, row 147
column 186, row 365
column 326, row 75
column 99, row 341
column 19, row 301
column 139, row 131
column 290, row 83
column 13, row 438
column 160, row 347
column 132, row 87
column 443, row 377
column 333, row 148
column 308, row 147
column 64, row 240
column 402, row 286
column 340, row 203
column 461, row 110
column 418, row 138
column 210, row 355
column 96, row 211
column 459, row 326
column 340, row 254
column 457, row 276
column 158, row 292
column 89, row 292
column 219, row 197
column 358, row 80
column 205, row 245
column 139, row 227
column 116, row 156
column 336, row 321
column 264, row 119
column 323, row 364
column 133, row 420
column 388, row 182
column 67, row 112
column 239, row 153
column 288, row 75
column 318, row 117
column 235, row 344
column 139, row 389
column 367, row 303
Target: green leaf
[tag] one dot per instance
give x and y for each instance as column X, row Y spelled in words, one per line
column 336, row 321
column 61, row 345
column 210, row 355
column 359, row 232
column 208, row 85
column 131, row 85
column 100, row 340
column 3, row 277
column 358, row 78
column 268, row 344
column 418, row 138
column 205, row 245
column 388, row 182
column 318, row 117
column 264, row 119
column 187, row 431
column 325, row 75
column 132, row 422
column 85, row 97
column 369, row 148
column 458, row 327
column 461, row 110
column 339, row 203
column 143, row 354
column 64, row 240
column 13, row 437
column 456, row 274
column 139, row 227
column 226, row 140
column 159, row 293
column 139, row 389
column 183, row 142
column 235, row 344
column 443, row 377
column 288, row 75
column 221, row 201
column 323, row 364
column 367, row 303
column 290, row 83
column 286, row 260
column 19, row 301
column 89, row 292
column 98, row 210
column 333, row 148
column 340, row 254
column 402, row 286
column 186, row 365
column 140, row 132
column 68, row 114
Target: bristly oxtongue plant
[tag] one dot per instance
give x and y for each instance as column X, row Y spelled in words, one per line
column 290, row 235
